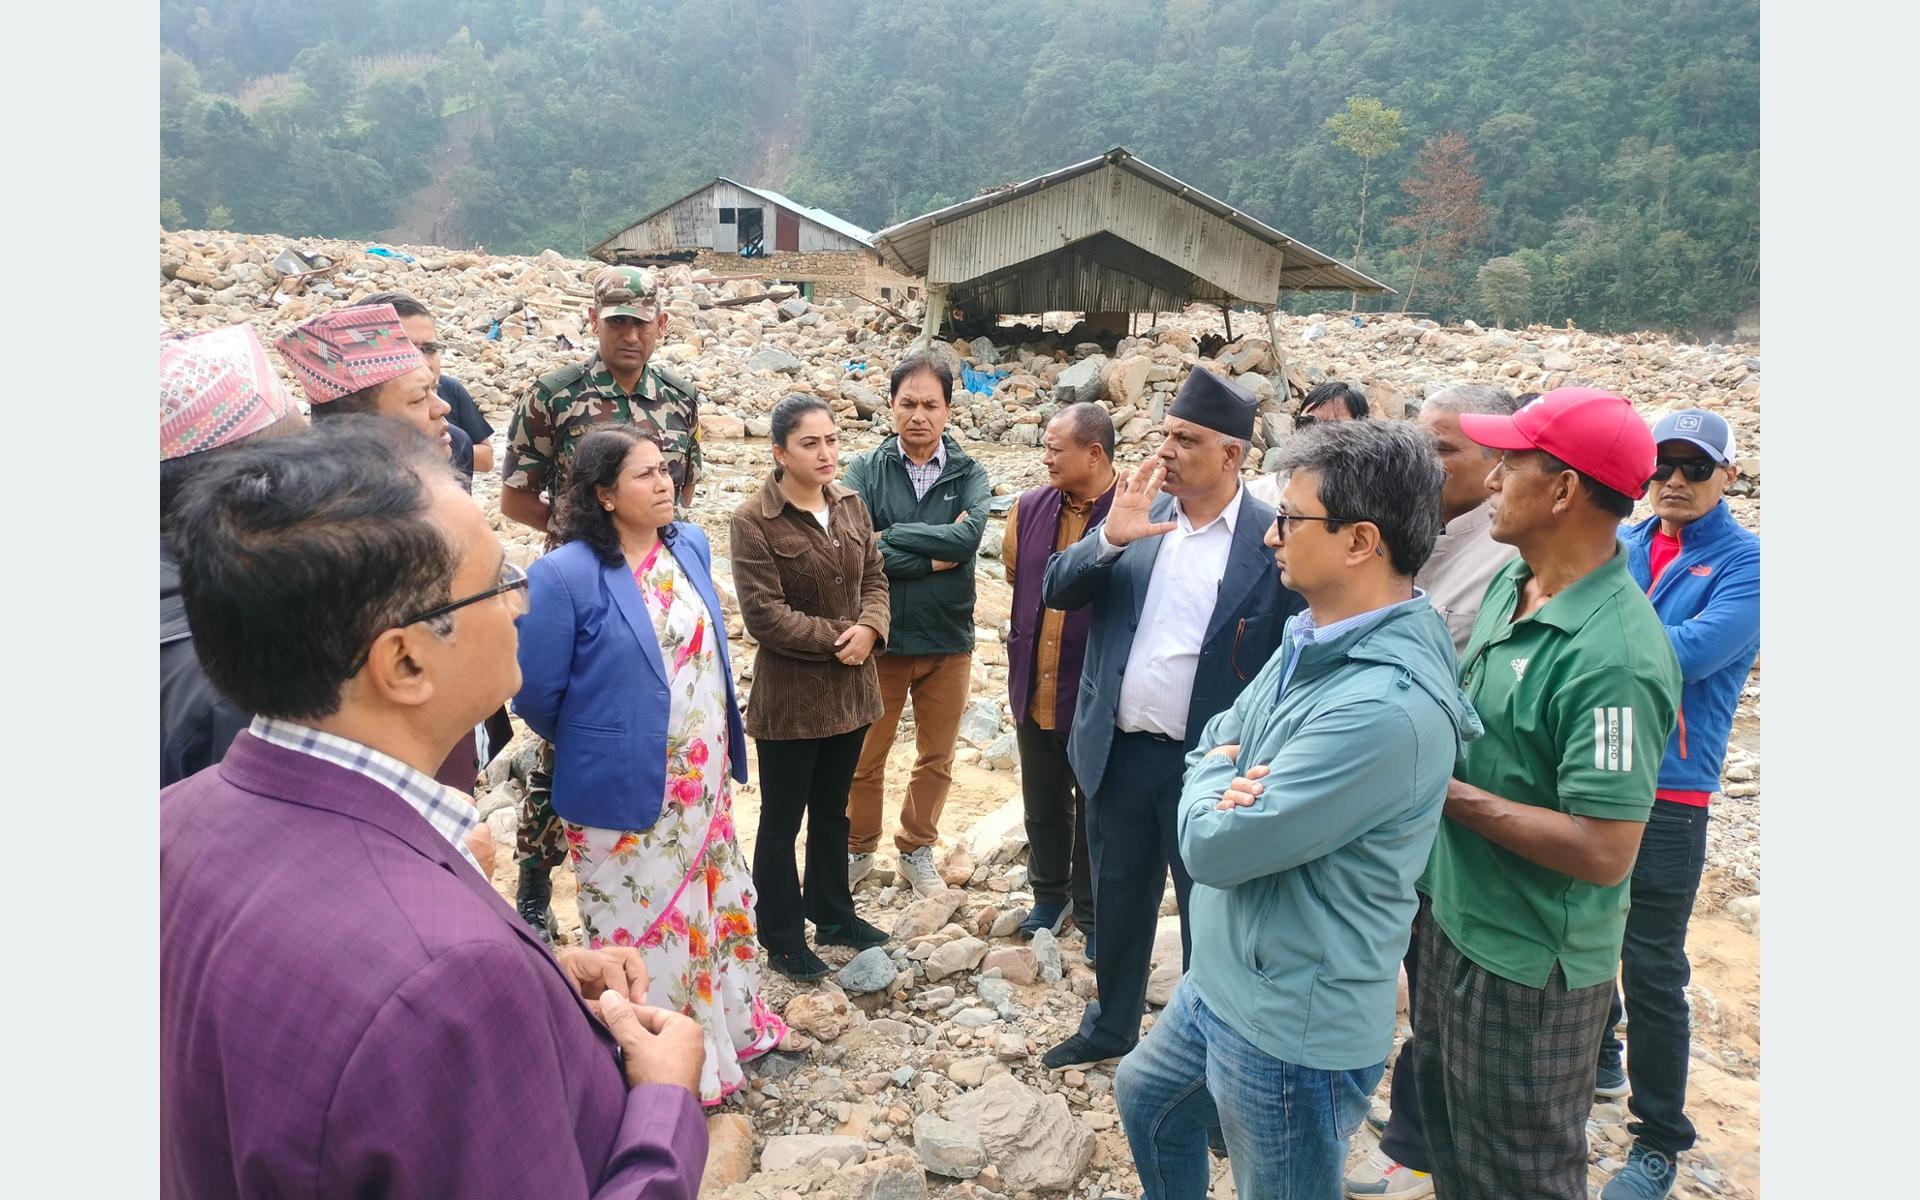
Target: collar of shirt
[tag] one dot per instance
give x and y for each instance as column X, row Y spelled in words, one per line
column 1230, row 514
column 1306, row 632
column 451, row 815
column 1470, row 522
column 937, row 462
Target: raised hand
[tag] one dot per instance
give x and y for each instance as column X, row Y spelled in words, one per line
column 1129, row 518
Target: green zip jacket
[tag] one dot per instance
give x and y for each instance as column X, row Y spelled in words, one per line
column 1303, row 901
column 932, row 611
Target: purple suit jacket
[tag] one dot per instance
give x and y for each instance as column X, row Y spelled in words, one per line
column 348, row 1009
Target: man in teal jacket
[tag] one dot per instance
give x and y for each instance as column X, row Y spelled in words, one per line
column 1307, row 813
column 928, row 501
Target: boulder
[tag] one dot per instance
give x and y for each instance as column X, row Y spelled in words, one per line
column 926, row 915
column 870, row 971
column 1128, row 382
column 772, row 358
column 1034, row 1141
column 946, row 1148
column 714, row 425
column 804, row 1149
column 825, row 1014
column 961, row 954
column 729, row 1151
column 1016, row 964
column 865, row 402
column 1081, row 381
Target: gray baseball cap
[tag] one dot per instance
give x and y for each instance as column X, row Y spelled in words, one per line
column 1704, row 429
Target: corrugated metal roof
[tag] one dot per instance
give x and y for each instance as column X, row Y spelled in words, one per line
column 818, row 216
column 973, row 236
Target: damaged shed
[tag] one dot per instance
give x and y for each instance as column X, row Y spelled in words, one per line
column 1106, row 237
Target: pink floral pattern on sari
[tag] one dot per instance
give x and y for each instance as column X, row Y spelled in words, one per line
column 682, row 891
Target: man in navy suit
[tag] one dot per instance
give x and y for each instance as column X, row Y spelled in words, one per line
column 1187, row 607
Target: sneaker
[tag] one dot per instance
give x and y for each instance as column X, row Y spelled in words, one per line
column 1379, row 1175
column 858, row 934
column 859, row 866
column 1609, row 1082
column 918, row 869
column 1049, row 917
column 1077, row 1051
column 1648, row 1175
column 801, row 966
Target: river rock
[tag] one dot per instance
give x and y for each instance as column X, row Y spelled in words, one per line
column 946, row 1148
column 805, row 1149
column 1034, row 1141
column 870, row 971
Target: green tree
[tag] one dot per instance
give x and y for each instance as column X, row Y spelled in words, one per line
column 1369, row 129
column 1506, row 289
column 219, row 218
column 170, row 215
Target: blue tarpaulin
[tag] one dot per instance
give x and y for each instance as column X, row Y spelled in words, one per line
column 982, row 382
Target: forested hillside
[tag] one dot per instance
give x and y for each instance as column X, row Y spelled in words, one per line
column 1597, row 162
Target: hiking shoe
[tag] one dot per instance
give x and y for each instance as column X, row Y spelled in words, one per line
column 1049, row 917
column 801, row 966
column 1379, row 1175
column 1610, row 1082
column 857, row 934
column 918, row 869
column 859, row 866
column 1648, row 1175
column 534, row 900
column 1077, row 1051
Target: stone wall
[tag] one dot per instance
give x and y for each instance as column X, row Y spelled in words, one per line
column 834, row 273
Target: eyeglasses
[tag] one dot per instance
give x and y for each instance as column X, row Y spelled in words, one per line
column 1285, row 521
column 512, row 584
column 1304, row 420
column 430, row 348
column 512, row 579
column 1697, row 470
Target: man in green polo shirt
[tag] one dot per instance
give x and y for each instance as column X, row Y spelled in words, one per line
column 1526, row 893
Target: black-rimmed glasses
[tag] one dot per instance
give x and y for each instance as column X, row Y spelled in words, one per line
column 1283, row 521
column 512, row 578
column 512, row 583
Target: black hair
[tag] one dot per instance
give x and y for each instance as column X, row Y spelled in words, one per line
column 917, row 362
column 365, row 402
column 403, row 304
column 297, row 552
column 1091, row 425
column 1334, row 389
column 597, row 464
column 177, row 473
column 1387, row 473
column 788, row 412
column 1615, row 504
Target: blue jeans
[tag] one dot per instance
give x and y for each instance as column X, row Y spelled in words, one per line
column 1286, row 1126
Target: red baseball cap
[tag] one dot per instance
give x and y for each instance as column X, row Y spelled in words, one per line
column 1590, row 430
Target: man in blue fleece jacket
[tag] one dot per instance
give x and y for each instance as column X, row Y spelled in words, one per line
column 1307, row 813
column 1701, row 570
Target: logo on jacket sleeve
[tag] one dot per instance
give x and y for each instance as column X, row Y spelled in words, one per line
column 1701, row 569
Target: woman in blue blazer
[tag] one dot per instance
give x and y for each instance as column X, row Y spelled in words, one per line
column 623, row 664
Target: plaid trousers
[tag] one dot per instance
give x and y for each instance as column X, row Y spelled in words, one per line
column 1504, row 1074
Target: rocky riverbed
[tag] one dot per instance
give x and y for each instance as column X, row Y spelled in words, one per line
column 925, row 1080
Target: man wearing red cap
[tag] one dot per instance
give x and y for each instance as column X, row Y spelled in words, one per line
column 1525, row 896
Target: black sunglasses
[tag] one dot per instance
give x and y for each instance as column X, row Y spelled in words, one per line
column 1698, row 470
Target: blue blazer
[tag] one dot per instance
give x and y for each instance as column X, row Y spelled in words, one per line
column 1243, row 632
column 593, row 683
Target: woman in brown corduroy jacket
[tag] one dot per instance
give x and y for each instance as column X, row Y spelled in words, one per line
column 813, row 593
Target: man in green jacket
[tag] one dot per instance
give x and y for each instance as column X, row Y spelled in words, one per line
column 929, row 506
column 1306, row 815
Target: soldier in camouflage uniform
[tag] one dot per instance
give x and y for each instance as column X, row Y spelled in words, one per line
column 619, row 384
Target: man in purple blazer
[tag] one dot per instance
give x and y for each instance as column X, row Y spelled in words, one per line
column 346, row 1005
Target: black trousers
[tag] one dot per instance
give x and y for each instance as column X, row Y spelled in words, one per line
column 803, row 779
column 1057, row 863
column 1133, row 840
column 1654, row 970
column 1404, row 1140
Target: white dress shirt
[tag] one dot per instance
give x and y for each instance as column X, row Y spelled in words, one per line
column 1185, row 586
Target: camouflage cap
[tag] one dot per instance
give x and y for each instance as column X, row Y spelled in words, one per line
column 626, row 292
